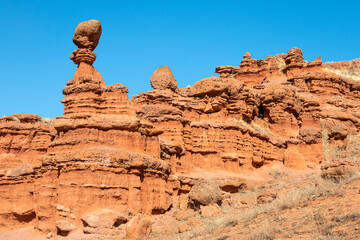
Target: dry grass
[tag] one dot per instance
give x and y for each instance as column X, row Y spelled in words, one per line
column 15, row 119
column 261, row 128
column 235, row 222
column 349, row 73
column 46, row 120
column 266, row 234
column 253, row 125
column 302, row 195
column 294, row 198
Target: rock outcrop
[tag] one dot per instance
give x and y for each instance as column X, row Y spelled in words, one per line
column 108, row 160
column 99, row 138
column 337, row 170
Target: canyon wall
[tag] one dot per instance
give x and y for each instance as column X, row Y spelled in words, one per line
column 108, row 156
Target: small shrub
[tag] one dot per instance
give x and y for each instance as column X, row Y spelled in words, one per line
column 46, row 120
column 15, row 119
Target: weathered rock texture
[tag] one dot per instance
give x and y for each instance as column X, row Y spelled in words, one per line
column 163, row 78
column 107, row 158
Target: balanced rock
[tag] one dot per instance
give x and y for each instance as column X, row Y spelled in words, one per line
column 87, row 34
column 163, row 78
column 86, row 37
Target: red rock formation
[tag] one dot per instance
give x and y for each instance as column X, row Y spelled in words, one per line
column 163, row 78
column 24, row 139
column 107, row 158
column 99, row 138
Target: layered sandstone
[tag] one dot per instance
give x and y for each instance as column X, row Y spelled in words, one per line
column 99, row 138
column 108, row 159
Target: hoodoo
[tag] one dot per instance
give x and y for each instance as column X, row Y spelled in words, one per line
column 108, row 161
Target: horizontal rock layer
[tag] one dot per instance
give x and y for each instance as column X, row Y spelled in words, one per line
column 110, row 158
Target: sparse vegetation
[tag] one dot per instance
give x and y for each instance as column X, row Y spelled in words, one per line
column 349, row 73
column 299, row 197
column 266, row 234
column 46, row 120
column 15, row 119
column 254, row 125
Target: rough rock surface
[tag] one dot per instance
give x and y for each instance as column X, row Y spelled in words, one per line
column 190, row 224
column 64, row 228
column 211, row 210
column 204, row 193
column 103, row 221
column 266, row 197
column 185, row 214
column 87, row 34
column 138, row 226
column 163, row 78
column 138, row 156
column 337, row 170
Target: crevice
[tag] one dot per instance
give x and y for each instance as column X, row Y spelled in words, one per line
column 58, row 172
column 261, row 111
column 25, row 217
column 257, row 164
column 118, row 222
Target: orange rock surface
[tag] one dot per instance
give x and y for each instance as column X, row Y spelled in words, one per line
column 123, row 158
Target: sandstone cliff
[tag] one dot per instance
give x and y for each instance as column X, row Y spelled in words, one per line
column 108, row 156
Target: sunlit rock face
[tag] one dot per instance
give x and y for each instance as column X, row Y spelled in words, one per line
column 108, row 159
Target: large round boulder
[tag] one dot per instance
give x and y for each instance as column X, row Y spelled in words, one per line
column 205, row 192
column 87, row 34
column 163, row 78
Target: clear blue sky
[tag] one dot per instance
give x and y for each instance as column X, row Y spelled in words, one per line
column 191, row 37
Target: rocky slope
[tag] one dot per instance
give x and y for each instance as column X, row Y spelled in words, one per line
column 110, row 165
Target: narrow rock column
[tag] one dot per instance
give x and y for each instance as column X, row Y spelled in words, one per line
column 87, row 82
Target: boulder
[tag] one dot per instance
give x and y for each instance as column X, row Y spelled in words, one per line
column 138, row 226
column 266, row 197
column 163, row 78
column 64, row 228
column 211, row 210
column 87, row 34
column 103, row 220
column 204, row 193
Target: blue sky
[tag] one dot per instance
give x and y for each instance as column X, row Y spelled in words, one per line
column 191, row 37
